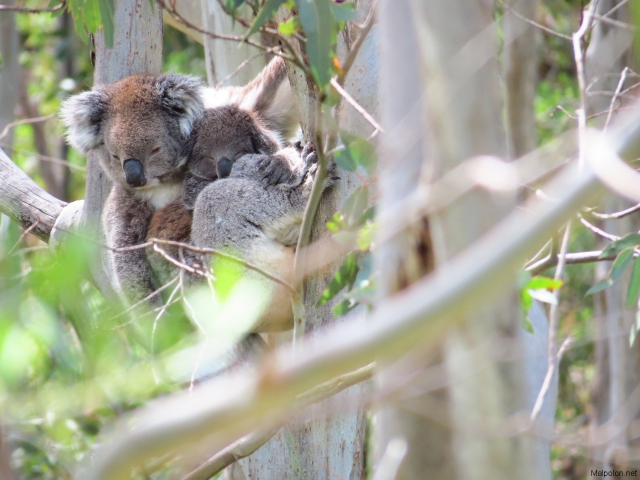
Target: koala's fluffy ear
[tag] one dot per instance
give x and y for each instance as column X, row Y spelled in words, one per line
column 82, row 116
column 181, row 96
column 271, row 96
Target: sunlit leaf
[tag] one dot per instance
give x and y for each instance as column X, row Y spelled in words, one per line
column 289, row 27
column 543, row 295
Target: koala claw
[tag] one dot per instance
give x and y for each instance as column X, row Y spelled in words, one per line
column 275, row 171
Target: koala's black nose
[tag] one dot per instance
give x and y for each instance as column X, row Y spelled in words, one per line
column 223, row 168
column 134, row 173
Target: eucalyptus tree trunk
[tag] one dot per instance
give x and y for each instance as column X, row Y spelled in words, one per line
column 615, row 362
column 459, row 432
column 520, row 74
column 334, row 444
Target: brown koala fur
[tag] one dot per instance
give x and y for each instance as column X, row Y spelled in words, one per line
column 140, row 128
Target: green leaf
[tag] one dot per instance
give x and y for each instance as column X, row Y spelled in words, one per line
column 264, row 15
column 607, row 282
column 336, row 223
column 537, row 283
column 539, row 288
column 317, row 21
column 344, row 307
column 615, row 247
column 91, row 13
column 634, row 284
column 620, row 264
column 357, row 152
column 290, row 26
column 107, row 14
column 345, row 276
column 345, row 12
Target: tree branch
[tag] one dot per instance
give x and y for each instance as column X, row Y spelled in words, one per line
column 250, row 443
column 25, row 202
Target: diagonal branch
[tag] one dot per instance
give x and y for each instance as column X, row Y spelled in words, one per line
column 25, row 202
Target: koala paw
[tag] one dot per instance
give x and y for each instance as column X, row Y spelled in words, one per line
column 273, row 170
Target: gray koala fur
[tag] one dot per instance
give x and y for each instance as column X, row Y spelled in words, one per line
column 259, row 223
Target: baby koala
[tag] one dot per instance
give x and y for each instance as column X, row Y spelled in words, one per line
column 260, row 222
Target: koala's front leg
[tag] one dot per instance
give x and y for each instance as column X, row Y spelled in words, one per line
column 126, row 221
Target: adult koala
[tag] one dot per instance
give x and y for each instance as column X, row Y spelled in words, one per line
column 140, row 127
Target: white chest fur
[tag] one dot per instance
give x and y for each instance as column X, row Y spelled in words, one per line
column 162, row 195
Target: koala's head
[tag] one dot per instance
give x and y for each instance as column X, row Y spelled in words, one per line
column 257, row 118
column 141, row 125
column 225, row 134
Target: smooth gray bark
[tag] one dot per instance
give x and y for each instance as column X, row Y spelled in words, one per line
column 333, row 446
column 520, row 75
column 9, row 72
column 450, row 433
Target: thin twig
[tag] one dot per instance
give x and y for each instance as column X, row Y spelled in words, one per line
column 163, row 311
column 137, row 304
column 534, row 23
column 57, row 161
column 552, row 350
column 11, row 125
column 299, row 262
column 616, row 95
column 351, row 101
column 355, row 48
column 598, row 231
column 578, row 55
column 11, row 8
column 570, row 259
column 615, row 23
column 26, row 232
column 616, row 215
column 244, row 64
